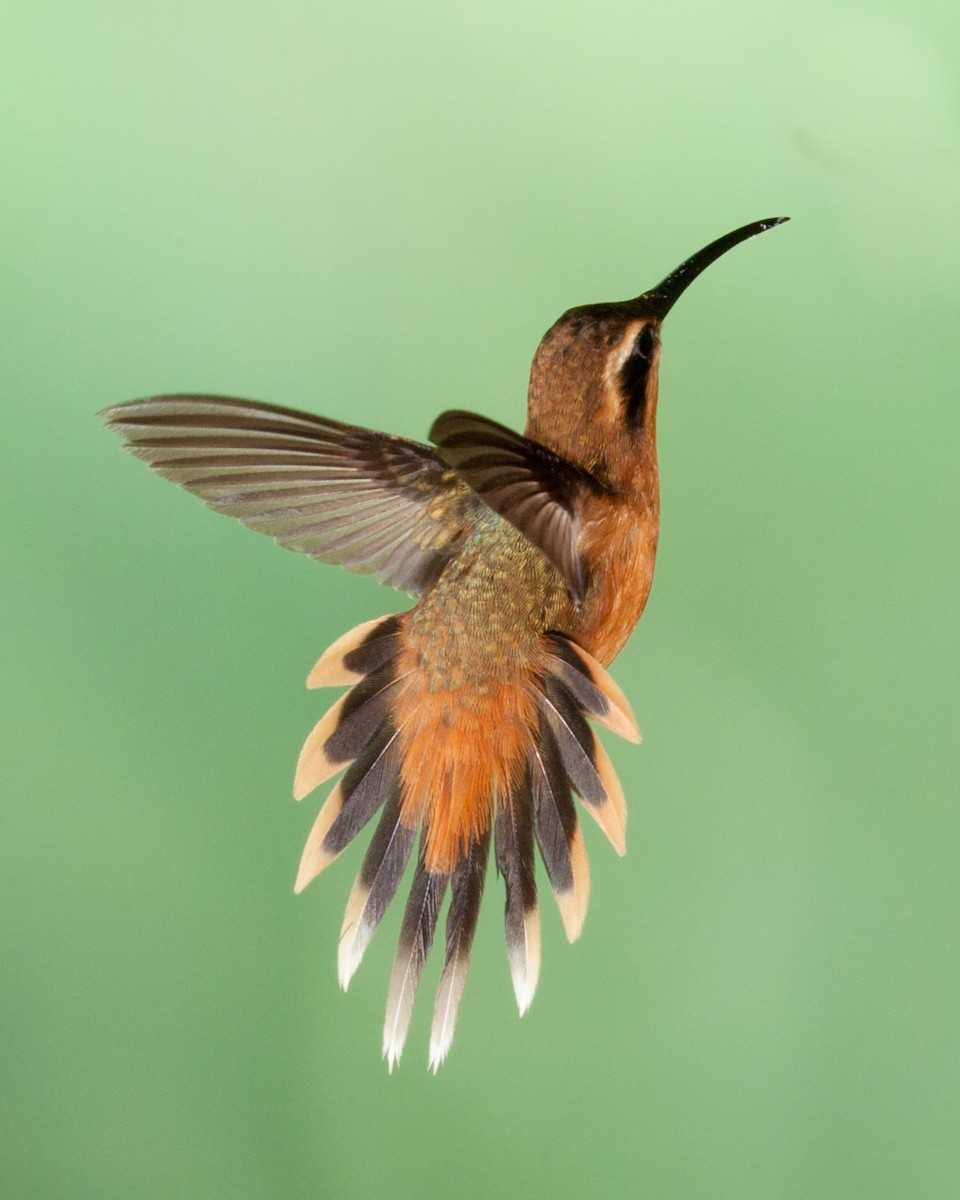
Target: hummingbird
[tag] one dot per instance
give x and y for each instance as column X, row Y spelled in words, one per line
column 466, row 720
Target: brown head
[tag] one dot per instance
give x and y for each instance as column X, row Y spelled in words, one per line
column 593, row 383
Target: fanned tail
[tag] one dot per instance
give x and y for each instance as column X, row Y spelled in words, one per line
column 530, row 803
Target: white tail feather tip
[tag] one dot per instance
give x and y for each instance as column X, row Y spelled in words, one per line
column 353, row 946
column 524, row 961
column 439, row 1049
column 392, row 1049
column 449, row 995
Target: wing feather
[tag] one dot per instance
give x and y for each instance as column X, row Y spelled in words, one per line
column 534, row 489
column 371, row 502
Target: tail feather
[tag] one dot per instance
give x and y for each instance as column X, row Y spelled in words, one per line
column 466, row 892
column 557, row 829
column 524, row 803
column 585, row 761
column 374, row 775
column 416, row 937
column 367, row 707
column 593, row 689
column 611, row 813
column 514, row 849
column 357, row 654
column 313, row 766
column 315, row 858
column 375, row 886
column 345, row 729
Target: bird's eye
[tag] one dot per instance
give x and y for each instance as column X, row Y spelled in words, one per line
column 646, row 342
column 635, row 373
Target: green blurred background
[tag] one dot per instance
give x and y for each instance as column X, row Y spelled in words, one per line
column 374, row 211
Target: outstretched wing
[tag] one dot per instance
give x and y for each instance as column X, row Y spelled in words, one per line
column 534, row 489
column 370, row 502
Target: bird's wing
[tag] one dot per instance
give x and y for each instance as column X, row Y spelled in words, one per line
column 534, row 489
column 372, row 503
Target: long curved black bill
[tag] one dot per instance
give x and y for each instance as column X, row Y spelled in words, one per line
column 659, row 300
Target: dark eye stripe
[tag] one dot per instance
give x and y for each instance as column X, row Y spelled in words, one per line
column 635, row 373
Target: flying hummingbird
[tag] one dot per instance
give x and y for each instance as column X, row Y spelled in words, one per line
column 532, row 559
